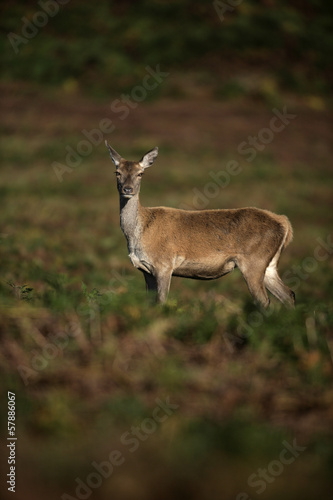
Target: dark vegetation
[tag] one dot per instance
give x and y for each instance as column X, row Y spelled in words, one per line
column 87, row 357
column 259, row 47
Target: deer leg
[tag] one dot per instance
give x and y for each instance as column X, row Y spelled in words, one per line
column 163, row 284
column 257, row 290
column 254, row 277
column 158, row 285
column 275, row 285
column 151, row 284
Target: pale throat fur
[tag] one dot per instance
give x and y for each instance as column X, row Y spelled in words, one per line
column 132, row 227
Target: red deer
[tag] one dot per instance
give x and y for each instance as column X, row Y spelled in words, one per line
column 200, row 244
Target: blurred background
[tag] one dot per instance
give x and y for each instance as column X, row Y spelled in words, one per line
column 213, row 48
column 207, row 396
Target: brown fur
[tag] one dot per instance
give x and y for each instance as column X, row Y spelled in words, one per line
column 204, row 244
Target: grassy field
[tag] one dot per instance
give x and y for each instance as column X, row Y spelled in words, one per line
column 206, row 397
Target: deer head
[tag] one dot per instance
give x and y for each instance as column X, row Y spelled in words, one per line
column 129, row 173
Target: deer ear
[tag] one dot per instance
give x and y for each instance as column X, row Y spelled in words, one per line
column 114, row 155
column 148, row 159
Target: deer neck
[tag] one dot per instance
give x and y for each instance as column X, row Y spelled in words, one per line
column 130, row 220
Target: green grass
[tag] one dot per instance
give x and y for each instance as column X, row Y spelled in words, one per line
column 88, row 357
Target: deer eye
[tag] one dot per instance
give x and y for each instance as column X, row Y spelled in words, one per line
column 141, row 174
column 117, row 174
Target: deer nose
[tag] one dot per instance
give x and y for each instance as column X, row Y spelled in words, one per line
column 128, row 190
